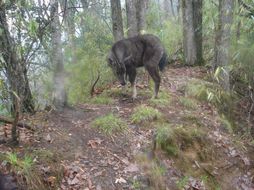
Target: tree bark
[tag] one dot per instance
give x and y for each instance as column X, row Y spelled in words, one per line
column 192, row 31
column 198, row 19
column 117, row 20
column 59, row 93
column 141, row 16
column 168, row 8
column 70, row 23
column 16, row 71
column 222, row 41
column 131, row 18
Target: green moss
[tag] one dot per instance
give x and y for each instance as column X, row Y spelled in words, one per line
column 145, row 114
column 109, row 124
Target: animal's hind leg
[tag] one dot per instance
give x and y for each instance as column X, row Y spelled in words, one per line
column 154, row 73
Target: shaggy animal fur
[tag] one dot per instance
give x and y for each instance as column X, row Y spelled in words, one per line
column 142, row 50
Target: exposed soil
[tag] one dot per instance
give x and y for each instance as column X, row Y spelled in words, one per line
column 89, row 159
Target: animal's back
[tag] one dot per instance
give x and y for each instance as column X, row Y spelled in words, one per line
column 142, row 48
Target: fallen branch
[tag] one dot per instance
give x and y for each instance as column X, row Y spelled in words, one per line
column 10, row 121
column 94, row 84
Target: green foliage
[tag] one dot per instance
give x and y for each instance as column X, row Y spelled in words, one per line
column 168, row 30
column 145, row 114
column 19, row 165
column 83, row 75
column 91, row 55
column 109, row 124
column 206, row 91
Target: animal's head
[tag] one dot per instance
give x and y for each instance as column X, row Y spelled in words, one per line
column 118, row 67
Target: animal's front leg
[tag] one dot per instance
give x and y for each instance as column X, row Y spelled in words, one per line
column 134, row 88
column 132, row 77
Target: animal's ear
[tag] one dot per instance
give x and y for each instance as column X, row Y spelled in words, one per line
column 127, row 59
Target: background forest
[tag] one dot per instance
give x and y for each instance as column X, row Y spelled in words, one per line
column 54, row 50
column 53, row 53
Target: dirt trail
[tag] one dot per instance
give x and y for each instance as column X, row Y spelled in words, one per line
column 93, row 160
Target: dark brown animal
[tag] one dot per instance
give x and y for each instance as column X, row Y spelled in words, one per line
column 143, row 50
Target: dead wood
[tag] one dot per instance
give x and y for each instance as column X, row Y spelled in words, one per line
column 10, row 121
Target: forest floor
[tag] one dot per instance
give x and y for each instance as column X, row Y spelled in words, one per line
column 200, row 152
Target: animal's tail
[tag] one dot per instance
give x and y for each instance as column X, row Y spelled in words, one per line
column 163, row 62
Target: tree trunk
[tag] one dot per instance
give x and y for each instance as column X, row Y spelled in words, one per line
column 168, row 8
column 59, row 93
column 70, row 22
column 141, row 16
column 16, row 71
column 198, row 19
column 131, row 17
column 192, row 31
column 117, row 20
column 172, row 8
column 222, row 41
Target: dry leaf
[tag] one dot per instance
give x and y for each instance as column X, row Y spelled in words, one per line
column 120, row 180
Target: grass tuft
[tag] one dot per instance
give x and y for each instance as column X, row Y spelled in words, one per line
column 144, row 113
column 101, row 100
column 188, row 102
column 109, row 124
column 163, row 100
column 174, row 139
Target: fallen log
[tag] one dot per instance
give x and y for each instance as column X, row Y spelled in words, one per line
column 10, row 120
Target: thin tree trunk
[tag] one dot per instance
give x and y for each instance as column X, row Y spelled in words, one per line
column 59, row 93
column 222, row 41
column 190, row 49
column 131, row 18
column 198, row 19
column 117, row 20
column 141, row 16
column 69, row 23
column 192, row 31
column 16, row 70
column 172, row 8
